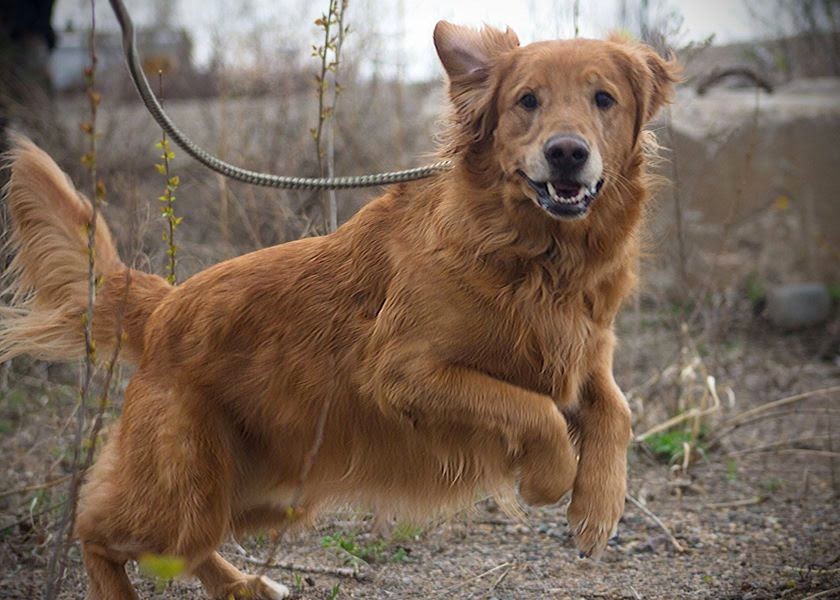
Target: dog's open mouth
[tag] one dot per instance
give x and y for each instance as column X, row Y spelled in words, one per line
column 564, row 199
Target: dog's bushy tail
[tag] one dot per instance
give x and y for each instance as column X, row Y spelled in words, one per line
column 45, row 282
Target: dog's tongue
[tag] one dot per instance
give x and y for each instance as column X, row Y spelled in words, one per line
column 566, row 189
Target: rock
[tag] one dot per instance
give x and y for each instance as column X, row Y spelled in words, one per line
column 798, row 305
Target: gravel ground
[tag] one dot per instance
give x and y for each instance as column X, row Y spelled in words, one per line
column 753, row 525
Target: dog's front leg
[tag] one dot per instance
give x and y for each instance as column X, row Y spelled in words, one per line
column 603, row 423
column 420, row 388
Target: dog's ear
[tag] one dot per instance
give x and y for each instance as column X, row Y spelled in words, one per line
column 651, row 77
column 468, row 56
column 466, row 52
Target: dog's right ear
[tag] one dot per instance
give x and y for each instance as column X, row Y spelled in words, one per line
column 466, row 52
column 468, row 56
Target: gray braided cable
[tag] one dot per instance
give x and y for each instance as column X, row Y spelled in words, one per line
column 234, row 172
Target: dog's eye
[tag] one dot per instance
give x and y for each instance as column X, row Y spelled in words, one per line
column 603, row 100
column 529, row 101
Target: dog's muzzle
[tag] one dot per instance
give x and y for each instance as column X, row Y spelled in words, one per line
column 564, row 199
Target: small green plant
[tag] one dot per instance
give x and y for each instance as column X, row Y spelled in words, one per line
column 355, row 552
column 168, row 199
column 772, row 485
column 669, row 446
column 400, row 554
column 834, row 291
column 755, row 289
column 732, row 470
column 298, row 581
column 336, row 589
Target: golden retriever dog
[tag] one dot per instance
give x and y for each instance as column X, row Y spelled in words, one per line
column 454, row 338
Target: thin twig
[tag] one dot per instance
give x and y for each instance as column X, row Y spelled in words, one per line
column 806, row 451
column 737, row 503
column 678, row 208
column 686, row 416
column 466, row 582
column 677, row 546
column 58, row 559
column 290, row 566
column 735, row 420
column 714, row 441
column 29, row 517
column 822, row 594
column 341, row 7
column 501, row 578
column 813, row 571
column 168, row 198
column 109, row 374
column 784, row 444
column 36, row 487
column 308, row 462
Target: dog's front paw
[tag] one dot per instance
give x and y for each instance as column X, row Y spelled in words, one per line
column 548, row 475
column 593, row 516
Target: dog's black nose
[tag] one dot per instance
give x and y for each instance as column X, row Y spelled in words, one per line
column 566, row 153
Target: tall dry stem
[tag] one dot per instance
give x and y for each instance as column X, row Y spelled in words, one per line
column 329, row 55
column 168, row 198
column 58, row 559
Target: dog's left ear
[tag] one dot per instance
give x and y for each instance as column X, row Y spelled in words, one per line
column 468, row 56
column 651, row 77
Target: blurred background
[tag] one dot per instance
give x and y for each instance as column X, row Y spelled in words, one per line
column 738, row 302
column 750, row 155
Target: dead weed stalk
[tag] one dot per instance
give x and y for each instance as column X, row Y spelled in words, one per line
column 329, row 54
column 63, row 536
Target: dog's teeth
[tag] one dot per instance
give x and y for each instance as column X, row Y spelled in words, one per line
column 582, row 192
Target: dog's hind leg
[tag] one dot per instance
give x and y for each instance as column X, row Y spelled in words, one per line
column 223, row 581
column 162, row 485
column 108, row 580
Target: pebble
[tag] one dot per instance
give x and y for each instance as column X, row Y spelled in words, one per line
column 798, row 305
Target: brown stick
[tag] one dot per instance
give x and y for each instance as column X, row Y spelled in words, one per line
column 784, row 444
column 36, row 487
column 823, row 594
column 289, row 566
column 776, row 403
column 713, row 442
column 677, row 546
column 737, row 503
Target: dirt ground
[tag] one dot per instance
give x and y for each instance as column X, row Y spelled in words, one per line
column 750, row 523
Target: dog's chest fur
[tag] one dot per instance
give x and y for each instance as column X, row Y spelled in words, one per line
column 530, row 334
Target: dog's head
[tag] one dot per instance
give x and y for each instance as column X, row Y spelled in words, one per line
column 554, row 122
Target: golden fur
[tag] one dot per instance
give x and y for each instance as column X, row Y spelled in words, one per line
column 457, row 330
